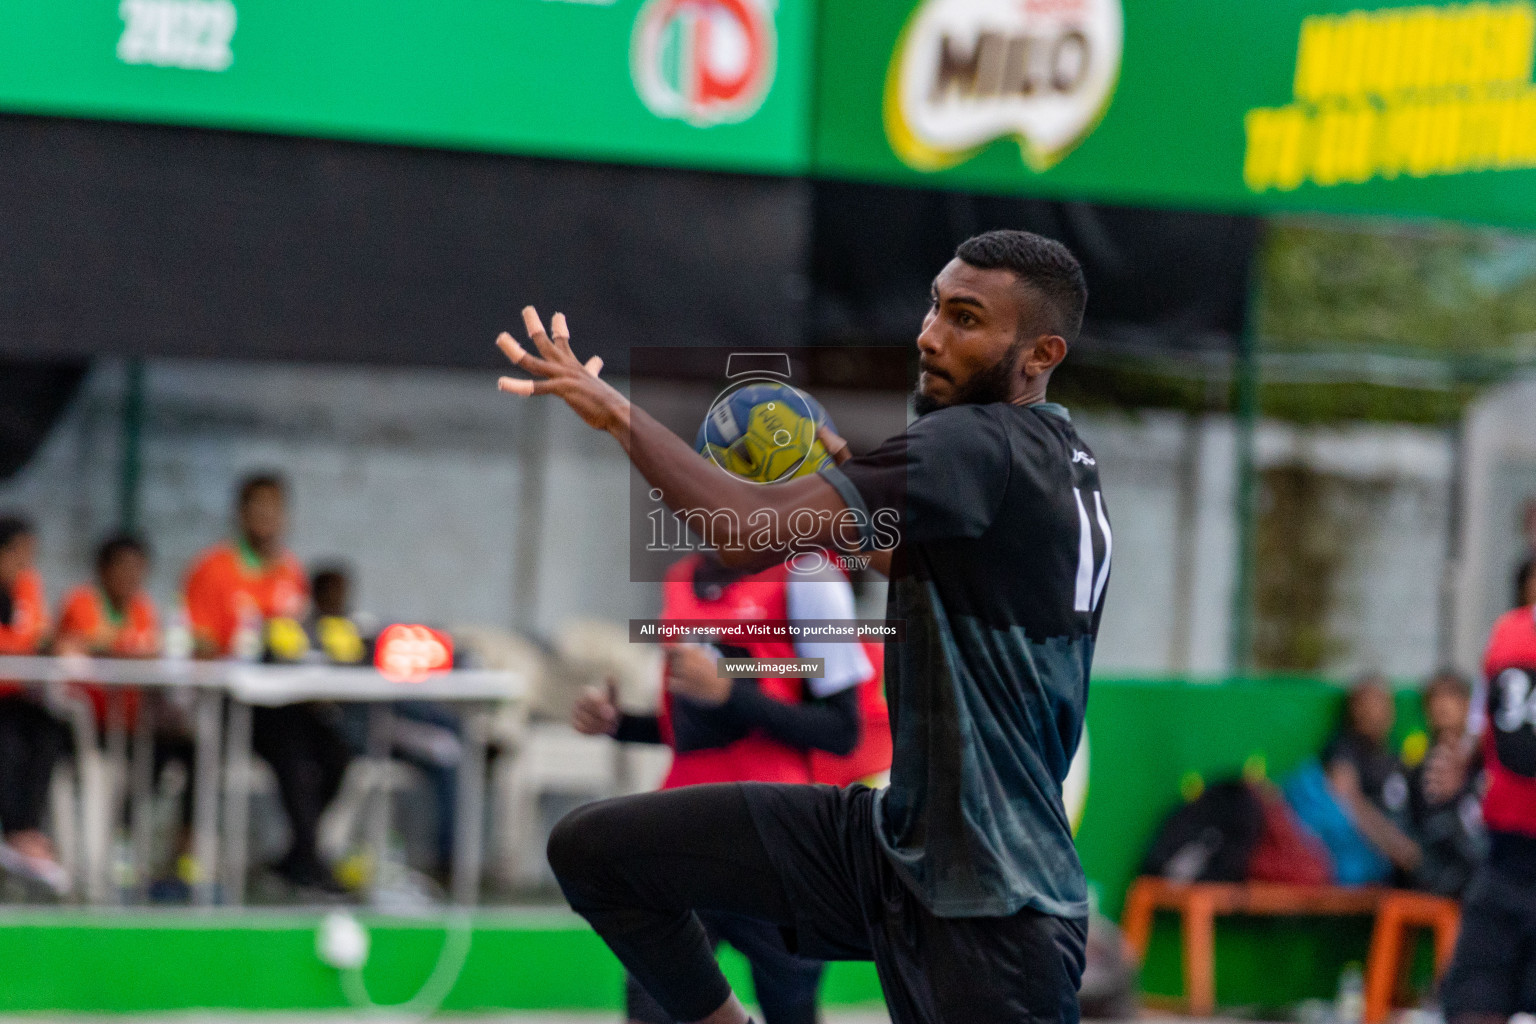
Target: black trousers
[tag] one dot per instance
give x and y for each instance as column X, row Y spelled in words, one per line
column 806, row 859
column 785, row 983
column 31, row 741
column 308, row 755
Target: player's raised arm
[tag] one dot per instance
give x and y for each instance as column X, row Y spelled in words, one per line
column 761, row 525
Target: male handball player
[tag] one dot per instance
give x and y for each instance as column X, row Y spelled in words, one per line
column 960, row 879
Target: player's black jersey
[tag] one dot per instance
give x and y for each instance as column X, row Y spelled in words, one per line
column 1000, row 575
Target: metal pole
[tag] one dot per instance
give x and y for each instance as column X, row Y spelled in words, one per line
column 1450, row 573
column 237, row 800
column 132, row 446
column 379, row 807
column 533, row 469
column 205, row 804
column 142, row 773
column 468, row 851
column 1246, row 413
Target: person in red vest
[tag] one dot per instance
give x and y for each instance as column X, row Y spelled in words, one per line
column 833, row 728
column 31, row 739
column 1492, row 975
column 234, row 592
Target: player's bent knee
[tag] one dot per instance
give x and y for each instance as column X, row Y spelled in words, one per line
column 575, row 848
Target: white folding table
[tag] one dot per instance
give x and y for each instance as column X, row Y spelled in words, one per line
column 268, row 685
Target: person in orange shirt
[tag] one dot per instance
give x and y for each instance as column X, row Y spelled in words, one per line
column 236, row 586
column 31, row 740
column 112, row 617
column 232, row 592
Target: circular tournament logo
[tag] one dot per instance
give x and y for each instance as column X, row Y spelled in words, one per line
column 966, row 72
column 705, row 62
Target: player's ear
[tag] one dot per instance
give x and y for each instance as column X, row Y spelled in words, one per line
column 1044, row 355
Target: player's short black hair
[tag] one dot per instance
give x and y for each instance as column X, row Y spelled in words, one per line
column 1523, row 580
column 254, row 482
column 117, row 545
column 1044, row 264
column 13, row 526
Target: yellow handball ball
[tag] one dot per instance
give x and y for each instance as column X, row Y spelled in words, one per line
column 765, row 432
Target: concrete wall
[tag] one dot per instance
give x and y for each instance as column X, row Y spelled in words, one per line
column 421, row 480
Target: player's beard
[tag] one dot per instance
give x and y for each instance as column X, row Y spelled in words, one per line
column 994, row 384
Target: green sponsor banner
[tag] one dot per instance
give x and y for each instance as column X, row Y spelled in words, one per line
column 709, row 83
column 1204, row 104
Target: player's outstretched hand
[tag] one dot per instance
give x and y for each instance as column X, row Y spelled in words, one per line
column 557, row 371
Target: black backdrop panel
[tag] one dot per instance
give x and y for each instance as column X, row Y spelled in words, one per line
column 131, row 239
column 32, row 394
column 1175, row 279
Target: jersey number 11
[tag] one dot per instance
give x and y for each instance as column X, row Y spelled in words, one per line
column 1090, row 585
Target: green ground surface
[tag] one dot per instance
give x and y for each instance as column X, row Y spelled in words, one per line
column 1149, row 741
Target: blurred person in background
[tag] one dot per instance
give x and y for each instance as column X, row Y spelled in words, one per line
column 1356, row 799
column 750, row 730
column 112, row 616
column 236, row 592
column 1365, row 775
column 1444, row 807
column 1525, row 583
column 31, row 739
column 1493, row 972
column 1525, row 569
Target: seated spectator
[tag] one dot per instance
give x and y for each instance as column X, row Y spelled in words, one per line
column 115, row 617
column 233, row 592
column 331, row 628
column 112, row 617
column 1445, row 814
column 1366, row 777
column 1356, row 801
column 31, row 739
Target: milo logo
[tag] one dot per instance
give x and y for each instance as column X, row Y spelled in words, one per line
column 703, row 61
column 966, row 72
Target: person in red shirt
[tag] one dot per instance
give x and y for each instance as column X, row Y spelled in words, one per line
column 1492, row 975
column 112, row 617
column 771, row 729
column 31, row 739
column 232, row 592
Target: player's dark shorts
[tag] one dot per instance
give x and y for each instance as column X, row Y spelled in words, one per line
column 849, row 904
column 805, row 858
column 1494, row 969
column 785, row 984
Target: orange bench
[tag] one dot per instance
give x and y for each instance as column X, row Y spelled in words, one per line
column 1200, row 903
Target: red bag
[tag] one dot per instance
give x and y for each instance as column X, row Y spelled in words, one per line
column 1287, row 851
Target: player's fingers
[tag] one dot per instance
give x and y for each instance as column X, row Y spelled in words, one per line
column 521, row 357
column 510, row 348
column 835, row 445
column 515, row 386
column 594, row 366
column 535, row 328
column 560, row 334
